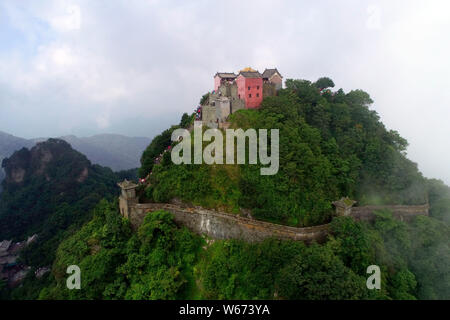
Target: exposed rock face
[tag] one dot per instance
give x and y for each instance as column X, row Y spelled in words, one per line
column 114, row 151
column 83, row 176
column 8, row 145
column 45, row 159
column 43, row 156
column 17, row 175
column 109, row 150
column 51, row 179
column 16, row 169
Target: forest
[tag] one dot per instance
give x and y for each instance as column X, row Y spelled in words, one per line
column 331, row 145
column 165, row 261
column 50, row 202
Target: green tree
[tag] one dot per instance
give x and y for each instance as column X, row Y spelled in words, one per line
column 204, row 98
column 185, row 121
column 351, row 243
column 318, row 274
column 324, row 82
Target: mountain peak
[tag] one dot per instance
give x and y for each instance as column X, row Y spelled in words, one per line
column 50, row 159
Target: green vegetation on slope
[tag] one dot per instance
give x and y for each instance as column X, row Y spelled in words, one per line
column 154, row 263
column 164, row 261
column 54, row 198
column 331, row 145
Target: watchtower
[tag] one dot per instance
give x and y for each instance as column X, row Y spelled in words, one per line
column 344, row 206
column 127, row 197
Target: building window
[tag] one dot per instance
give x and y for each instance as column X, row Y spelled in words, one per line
column 257, row 95
column 249, row 88
column 250, row 95
column 257, row 87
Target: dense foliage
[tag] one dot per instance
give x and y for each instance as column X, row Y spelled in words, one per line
column 331, row 145
column 51, row 201
column 156, row 147
column 154, row 263
column 164, row 261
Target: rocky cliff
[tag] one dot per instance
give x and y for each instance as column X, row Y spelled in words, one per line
column 48, row 190
column 44, row 160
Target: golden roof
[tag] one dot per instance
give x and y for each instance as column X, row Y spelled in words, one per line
column 248, row 69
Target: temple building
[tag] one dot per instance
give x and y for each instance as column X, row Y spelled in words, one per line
column 274, row 77
column 233, row 92
column 223, row 77
column 250, row 87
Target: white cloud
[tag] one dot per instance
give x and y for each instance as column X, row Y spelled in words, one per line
column 88, row 66
column 68, row 20
column 374, row 17
column 102, row 121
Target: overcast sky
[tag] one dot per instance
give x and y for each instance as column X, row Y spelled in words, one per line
column 133, row 67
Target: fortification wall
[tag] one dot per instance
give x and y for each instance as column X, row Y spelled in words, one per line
column 219, row 225
column 403, row 213
column 223, row 109
column 237, row 104
column 209, row 116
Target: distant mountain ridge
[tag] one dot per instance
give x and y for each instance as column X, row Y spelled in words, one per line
column 115, row 151
column 10, row 143
column 47, row 189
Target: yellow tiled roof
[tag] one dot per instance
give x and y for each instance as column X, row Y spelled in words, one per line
column 248, row 69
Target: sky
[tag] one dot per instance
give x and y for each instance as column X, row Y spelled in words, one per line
column 134, row 67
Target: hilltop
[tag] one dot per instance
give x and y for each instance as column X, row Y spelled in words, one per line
column 47, row 190
column 115, row 151
column 332, row 145
column 9, row 144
